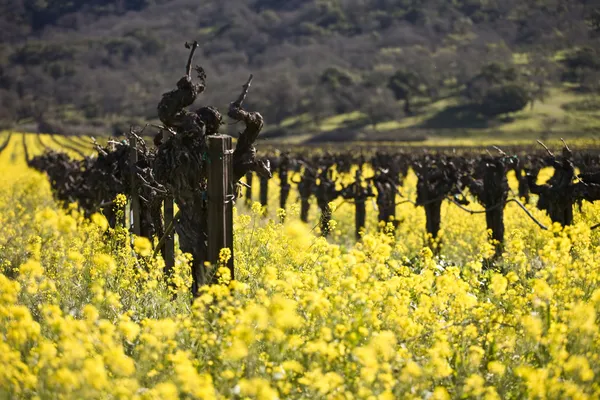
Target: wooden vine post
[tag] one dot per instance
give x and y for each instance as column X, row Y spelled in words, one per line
column 135, row 199
column 220, row 198
column 264, row 191
column 169, row 251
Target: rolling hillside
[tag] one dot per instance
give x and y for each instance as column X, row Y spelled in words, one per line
column 320, row 65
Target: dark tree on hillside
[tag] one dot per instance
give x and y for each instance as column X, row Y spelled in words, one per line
column 583, row 67
column 489, row 76
column 279, row 98
column 379, row 105
column 504, row 99
column 586, row 57
column 405, row 85
column 498, row 89
column 318, row 104
column 340, row 84
column 540, row 72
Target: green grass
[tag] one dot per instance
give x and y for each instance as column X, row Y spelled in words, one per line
column 551, row 116
column 443, row 118
column 545, row 117
column 297, row 119
column 338, row 121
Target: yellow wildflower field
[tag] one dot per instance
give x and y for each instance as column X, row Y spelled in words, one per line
column 85, row 311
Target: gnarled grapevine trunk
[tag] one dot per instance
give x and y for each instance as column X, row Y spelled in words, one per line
column 181, row 161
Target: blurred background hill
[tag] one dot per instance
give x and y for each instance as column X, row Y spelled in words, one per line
column 324, row 69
